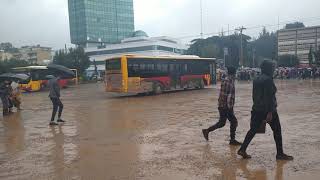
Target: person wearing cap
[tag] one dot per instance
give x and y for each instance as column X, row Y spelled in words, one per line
column 265, row 109
column 55, row 99
column 226, row 104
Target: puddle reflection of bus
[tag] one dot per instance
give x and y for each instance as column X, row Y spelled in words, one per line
column 37, row 81
column 147, row 74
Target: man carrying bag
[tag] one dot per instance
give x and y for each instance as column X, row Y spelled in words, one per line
column 264, row 110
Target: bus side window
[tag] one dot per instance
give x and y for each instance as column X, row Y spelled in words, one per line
column 150, row 67
column 158, row 67
column 185, row 68
column 142, row 67
column 135, row 67
column 164, row 68
column 171, row 67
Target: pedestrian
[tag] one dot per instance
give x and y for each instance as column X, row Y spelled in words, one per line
column 265, row 109
column 4, row 95
column 226, row 104
column 16, row 95
column 10, row 95
column 55, row 98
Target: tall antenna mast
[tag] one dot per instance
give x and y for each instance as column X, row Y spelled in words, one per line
column 201, row 19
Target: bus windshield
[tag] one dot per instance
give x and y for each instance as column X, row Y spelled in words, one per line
column 113, row 64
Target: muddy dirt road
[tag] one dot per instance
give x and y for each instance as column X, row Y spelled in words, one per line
column 157, row 137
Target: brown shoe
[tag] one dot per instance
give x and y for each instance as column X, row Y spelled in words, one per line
column 244, row 154
column 205, row 133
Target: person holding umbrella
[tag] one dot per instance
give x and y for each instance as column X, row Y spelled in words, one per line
column 54, row 96
column 4, row 99
column 4, row 95
column 6, row 90
column 60, row 72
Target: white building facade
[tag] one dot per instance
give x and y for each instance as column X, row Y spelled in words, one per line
column 143, row 45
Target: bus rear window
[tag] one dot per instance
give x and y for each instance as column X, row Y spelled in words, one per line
column 114, row 64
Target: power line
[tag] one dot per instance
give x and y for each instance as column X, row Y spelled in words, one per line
column 255, row 27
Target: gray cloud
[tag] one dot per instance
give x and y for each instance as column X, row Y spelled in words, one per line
column 45, row 22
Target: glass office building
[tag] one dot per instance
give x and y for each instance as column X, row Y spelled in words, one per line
column 100, row 21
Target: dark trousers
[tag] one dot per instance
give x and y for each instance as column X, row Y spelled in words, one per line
column 5, row 104
column 225, row 114
column 256, row 119
column 57, row 104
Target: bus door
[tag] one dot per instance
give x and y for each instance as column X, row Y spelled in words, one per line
column 213, row 73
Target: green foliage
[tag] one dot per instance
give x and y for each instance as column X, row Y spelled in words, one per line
column 214, row 47
column 265, row 47
column 288, row 61
column 74, row 58
column 311, row 56
column 8, row 47
column 317, row 56
column 7, row 65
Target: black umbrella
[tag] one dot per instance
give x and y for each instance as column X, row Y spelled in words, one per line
column 61, row 71
column 14, row 77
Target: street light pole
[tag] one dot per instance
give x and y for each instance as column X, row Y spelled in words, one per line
column 201, row 19
column 241, row 45
column 253, row 57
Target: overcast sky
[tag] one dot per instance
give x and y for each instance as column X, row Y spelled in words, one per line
column 45, row 22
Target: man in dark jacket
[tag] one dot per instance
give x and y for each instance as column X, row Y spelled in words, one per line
column 265, row 109
column 4, row 95
column 55, row 98
column 226, row 104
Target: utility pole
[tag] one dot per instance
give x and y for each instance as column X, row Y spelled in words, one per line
column 253, row 57
column 201, row 19
column 241, row 45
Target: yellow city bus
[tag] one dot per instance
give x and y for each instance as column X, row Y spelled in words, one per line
column 150, row 74
column 38, row 79
column 36, row 82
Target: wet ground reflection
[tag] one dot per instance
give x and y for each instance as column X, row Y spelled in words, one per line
column 156, row 137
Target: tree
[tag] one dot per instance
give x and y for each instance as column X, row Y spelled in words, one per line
column 214, row 47
column 288, row 61
column 74, row 58
column 266, row 45
column 311, row 57
column 8, row 47
column 7, row 65
column 317, row 56
column 295, row 25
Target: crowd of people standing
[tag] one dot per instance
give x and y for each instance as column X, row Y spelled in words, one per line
column 248, row 74
column 297, row 73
